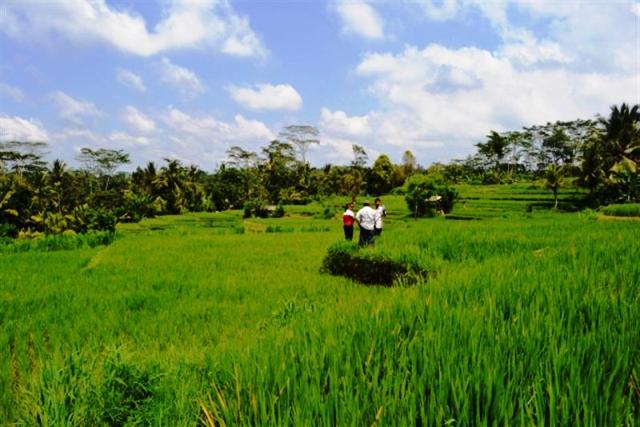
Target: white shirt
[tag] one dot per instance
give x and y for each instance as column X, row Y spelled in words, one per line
column 366, row 218
column 380, row 213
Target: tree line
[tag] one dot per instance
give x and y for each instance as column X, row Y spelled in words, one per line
column 601, row 155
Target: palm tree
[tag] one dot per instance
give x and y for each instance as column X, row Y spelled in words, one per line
column 623, row 132
column 554, row 175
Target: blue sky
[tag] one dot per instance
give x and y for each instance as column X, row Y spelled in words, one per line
column 188, row 79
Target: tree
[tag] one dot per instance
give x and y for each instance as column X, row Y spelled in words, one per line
column 241, row 158
column 277, row 168
column 426, row 193
column 611, row 156
column 494, row 149
column 553, row 177
column 102, row 162
column 360, row 157
column 380, row 179
column 301, row 137
column 23, row 156
column 409, row 163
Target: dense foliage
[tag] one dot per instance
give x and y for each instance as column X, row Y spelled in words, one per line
column 599, row 155
column 427, row 195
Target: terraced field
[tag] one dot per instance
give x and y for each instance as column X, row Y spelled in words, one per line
column 527, row 316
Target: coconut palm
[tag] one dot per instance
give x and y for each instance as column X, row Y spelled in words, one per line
column 553, row 176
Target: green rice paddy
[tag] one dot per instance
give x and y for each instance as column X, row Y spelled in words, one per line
column 531, row 317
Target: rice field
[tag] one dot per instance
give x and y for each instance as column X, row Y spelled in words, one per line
column 528, row 317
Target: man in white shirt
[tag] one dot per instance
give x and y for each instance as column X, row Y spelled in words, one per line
column 381, row 212
column 366, row 218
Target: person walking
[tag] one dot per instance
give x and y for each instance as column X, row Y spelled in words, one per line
column 348, row 218
column 366, row 218
column 381, row 212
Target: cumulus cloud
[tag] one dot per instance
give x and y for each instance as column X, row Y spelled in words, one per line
column 578, row 32
column 213, row 130
column 439, row 101
column 180, row 78
column 267, row 97
column 185, row 24
column 203, row 139
column 338, row 123
column 11, row 92
column 361, row 19
column 14, row 128
column 137, row 120
column 130, row 79
column 74, row 110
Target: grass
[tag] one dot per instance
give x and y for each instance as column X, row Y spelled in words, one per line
column 531, row 318
column 625, row 210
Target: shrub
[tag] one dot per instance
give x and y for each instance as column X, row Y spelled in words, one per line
column 327, row 213
column 278, row 212
column 255, row 208
column 370, row 268
column 627, row 209
column 420, row 188
column 8, row 230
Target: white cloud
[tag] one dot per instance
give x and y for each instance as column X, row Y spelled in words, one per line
column 267, row 97
column 11, row 92
column 446, row 10
column 72, row 109
column 185, row 24
column 338, row 123
column 14, row 128
column 578, row 33
column 181, row 78
column 128, row 139
column 213, row 130
column 204, row 140
column 361, row 19
column 439, row 101
column 130, row 79
column 137, row 120
column 78, row 135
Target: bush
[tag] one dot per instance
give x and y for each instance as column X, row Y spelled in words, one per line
column 420, row 188
column 327, row 213
column 627, row 209
column 370, row 268
column 255, row 208
column 278, row 212
column 8, row 230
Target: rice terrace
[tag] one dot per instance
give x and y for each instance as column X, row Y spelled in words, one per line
column 307, row 213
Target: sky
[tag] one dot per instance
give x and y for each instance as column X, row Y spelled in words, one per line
column 188, row 79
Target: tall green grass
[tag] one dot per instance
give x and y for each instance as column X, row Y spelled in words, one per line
column 529, row 320
column 627, row 209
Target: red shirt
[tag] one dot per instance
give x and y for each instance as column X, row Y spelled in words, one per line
column 348, row 218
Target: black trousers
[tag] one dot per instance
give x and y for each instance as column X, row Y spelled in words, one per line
column 348, row 232
column 366, row 237
column 377, row 231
